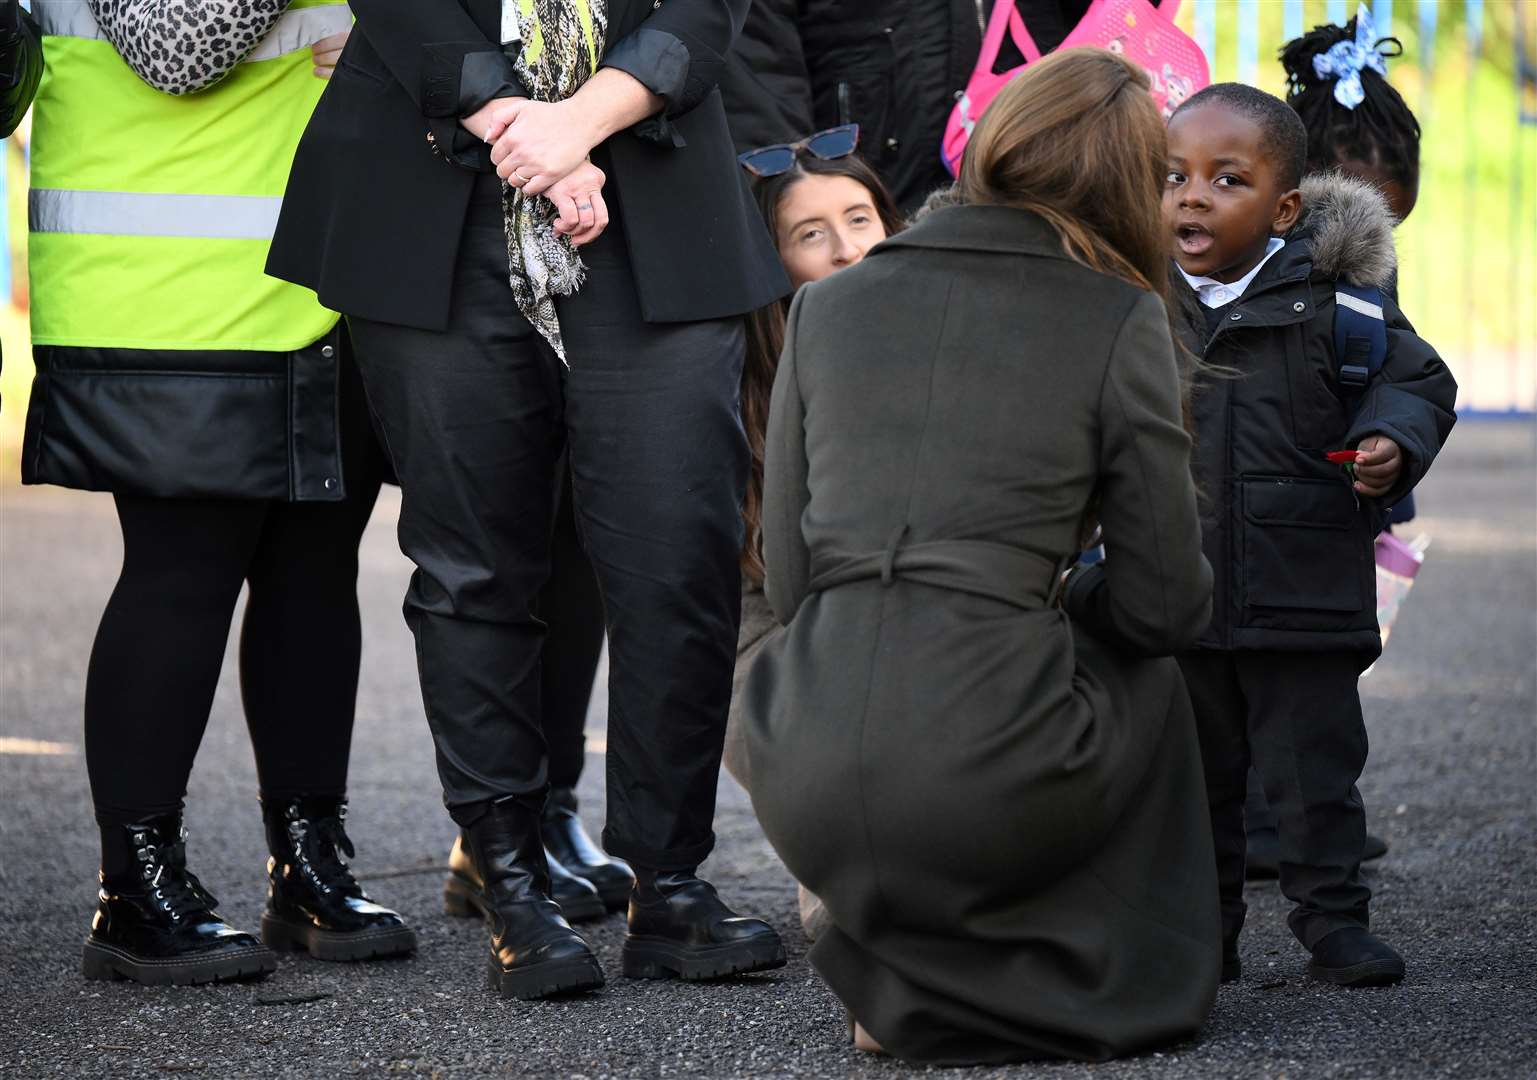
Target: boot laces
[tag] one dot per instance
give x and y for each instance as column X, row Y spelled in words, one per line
column 177, row 892
column 322, row 848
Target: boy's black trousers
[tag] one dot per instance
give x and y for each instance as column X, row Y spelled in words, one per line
column 1297, row 717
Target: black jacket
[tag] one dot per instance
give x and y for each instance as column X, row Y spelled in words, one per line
column 765, row 88
column 1288, row 539
column 896, row 68
column 372, row 216
column 192, row 423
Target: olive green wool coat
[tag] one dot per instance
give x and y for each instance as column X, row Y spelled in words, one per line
column 1000, row 803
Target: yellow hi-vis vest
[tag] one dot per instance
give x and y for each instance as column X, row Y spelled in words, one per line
column 151, row 214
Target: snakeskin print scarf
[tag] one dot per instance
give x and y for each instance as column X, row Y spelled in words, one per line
column 562, row 41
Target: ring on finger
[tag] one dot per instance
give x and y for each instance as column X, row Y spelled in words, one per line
column 521, row 177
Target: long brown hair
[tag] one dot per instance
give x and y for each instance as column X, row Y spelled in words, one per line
column 1077, row 139
column 766, row 329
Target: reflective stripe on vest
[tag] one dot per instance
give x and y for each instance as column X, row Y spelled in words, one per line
column 151, row 214
column 132, row 213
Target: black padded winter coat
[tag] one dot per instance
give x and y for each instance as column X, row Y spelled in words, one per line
column 1288, row 539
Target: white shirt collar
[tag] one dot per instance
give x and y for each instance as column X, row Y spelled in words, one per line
column 1214, row 293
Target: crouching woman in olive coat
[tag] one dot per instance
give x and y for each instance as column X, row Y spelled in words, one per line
column 998, row 798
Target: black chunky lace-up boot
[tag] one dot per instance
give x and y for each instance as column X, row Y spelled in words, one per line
column 313, row 901
column 155, row 923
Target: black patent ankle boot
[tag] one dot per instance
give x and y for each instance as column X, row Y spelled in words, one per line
column 534, row 951
column 679, row 928
column 155, row 923
column 314, row 903
column 569, row 844
column 464, row 894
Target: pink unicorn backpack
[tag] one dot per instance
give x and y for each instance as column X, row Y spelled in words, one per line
column 1144, row 34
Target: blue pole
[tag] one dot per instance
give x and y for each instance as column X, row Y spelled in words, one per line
column 1205, row 21
column 1475, row 28
column 1382, row 17
column 1291, row 20
column 1248, row 41
column 1429, row 9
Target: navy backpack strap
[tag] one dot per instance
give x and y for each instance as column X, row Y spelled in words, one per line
column 1360, row 338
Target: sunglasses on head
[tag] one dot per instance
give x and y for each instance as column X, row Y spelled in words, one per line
column 780, row 158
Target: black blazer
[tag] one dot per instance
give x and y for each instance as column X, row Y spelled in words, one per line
column 373, row 214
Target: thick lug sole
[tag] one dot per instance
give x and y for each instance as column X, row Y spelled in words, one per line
column 569, row 975
column 99, row 960
column 657, row 958
column 379, row 943
column 1384, row 972
column 462, row 901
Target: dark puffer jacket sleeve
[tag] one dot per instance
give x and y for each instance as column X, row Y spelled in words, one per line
column 1152, row 594
column 1411, row 402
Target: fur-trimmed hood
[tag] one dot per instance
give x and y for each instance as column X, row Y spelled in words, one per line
column 1349, row 229
column 938, row 199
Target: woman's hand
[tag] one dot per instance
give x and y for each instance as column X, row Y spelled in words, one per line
column 492, row 116
column 577, row 195
column 537, row 143
column 325, row 53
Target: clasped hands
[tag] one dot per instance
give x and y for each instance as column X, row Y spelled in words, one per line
column 541, row 148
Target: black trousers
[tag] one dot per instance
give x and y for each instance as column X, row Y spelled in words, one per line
column 1297, row 718
column 572, row 609
column 156, row 659
column 474, row 419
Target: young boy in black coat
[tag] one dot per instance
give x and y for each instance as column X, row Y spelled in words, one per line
column 1289, row 533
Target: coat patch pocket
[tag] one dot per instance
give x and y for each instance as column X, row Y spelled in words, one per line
column 1301, row 545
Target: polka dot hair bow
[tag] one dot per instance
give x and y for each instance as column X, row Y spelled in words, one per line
column 1345, row 61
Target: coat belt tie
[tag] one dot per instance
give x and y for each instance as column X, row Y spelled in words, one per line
column 979, row 567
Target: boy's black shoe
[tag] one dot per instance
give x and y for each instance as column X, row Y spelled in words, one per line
column 1353, row 956
column 155, row 923
column 1375, row 848
column 464, row 893
column 1232, row 966
column 679, row 928
column 314, row 904
column 569, row 844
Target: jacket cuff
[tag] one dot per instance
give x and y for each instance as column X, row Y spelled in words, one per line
column 1078, row 593
column 459, row 77
column 454, row 144
column 660, row 63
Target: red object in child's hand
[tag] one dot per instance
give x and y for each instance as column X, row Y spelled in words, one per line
column 1343, row 457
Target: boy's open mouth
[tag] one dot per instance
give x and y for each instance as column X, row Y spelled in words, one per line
column 1193, row 239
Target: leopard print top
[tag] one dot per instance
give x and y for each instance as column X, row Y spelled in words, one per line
column 182, row 46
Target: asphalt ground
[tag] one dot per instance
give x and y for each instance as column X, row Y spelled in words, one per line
column 1452, row 710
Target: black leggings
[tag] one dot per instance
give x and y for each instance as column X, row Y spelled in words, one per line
column 160, row 646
